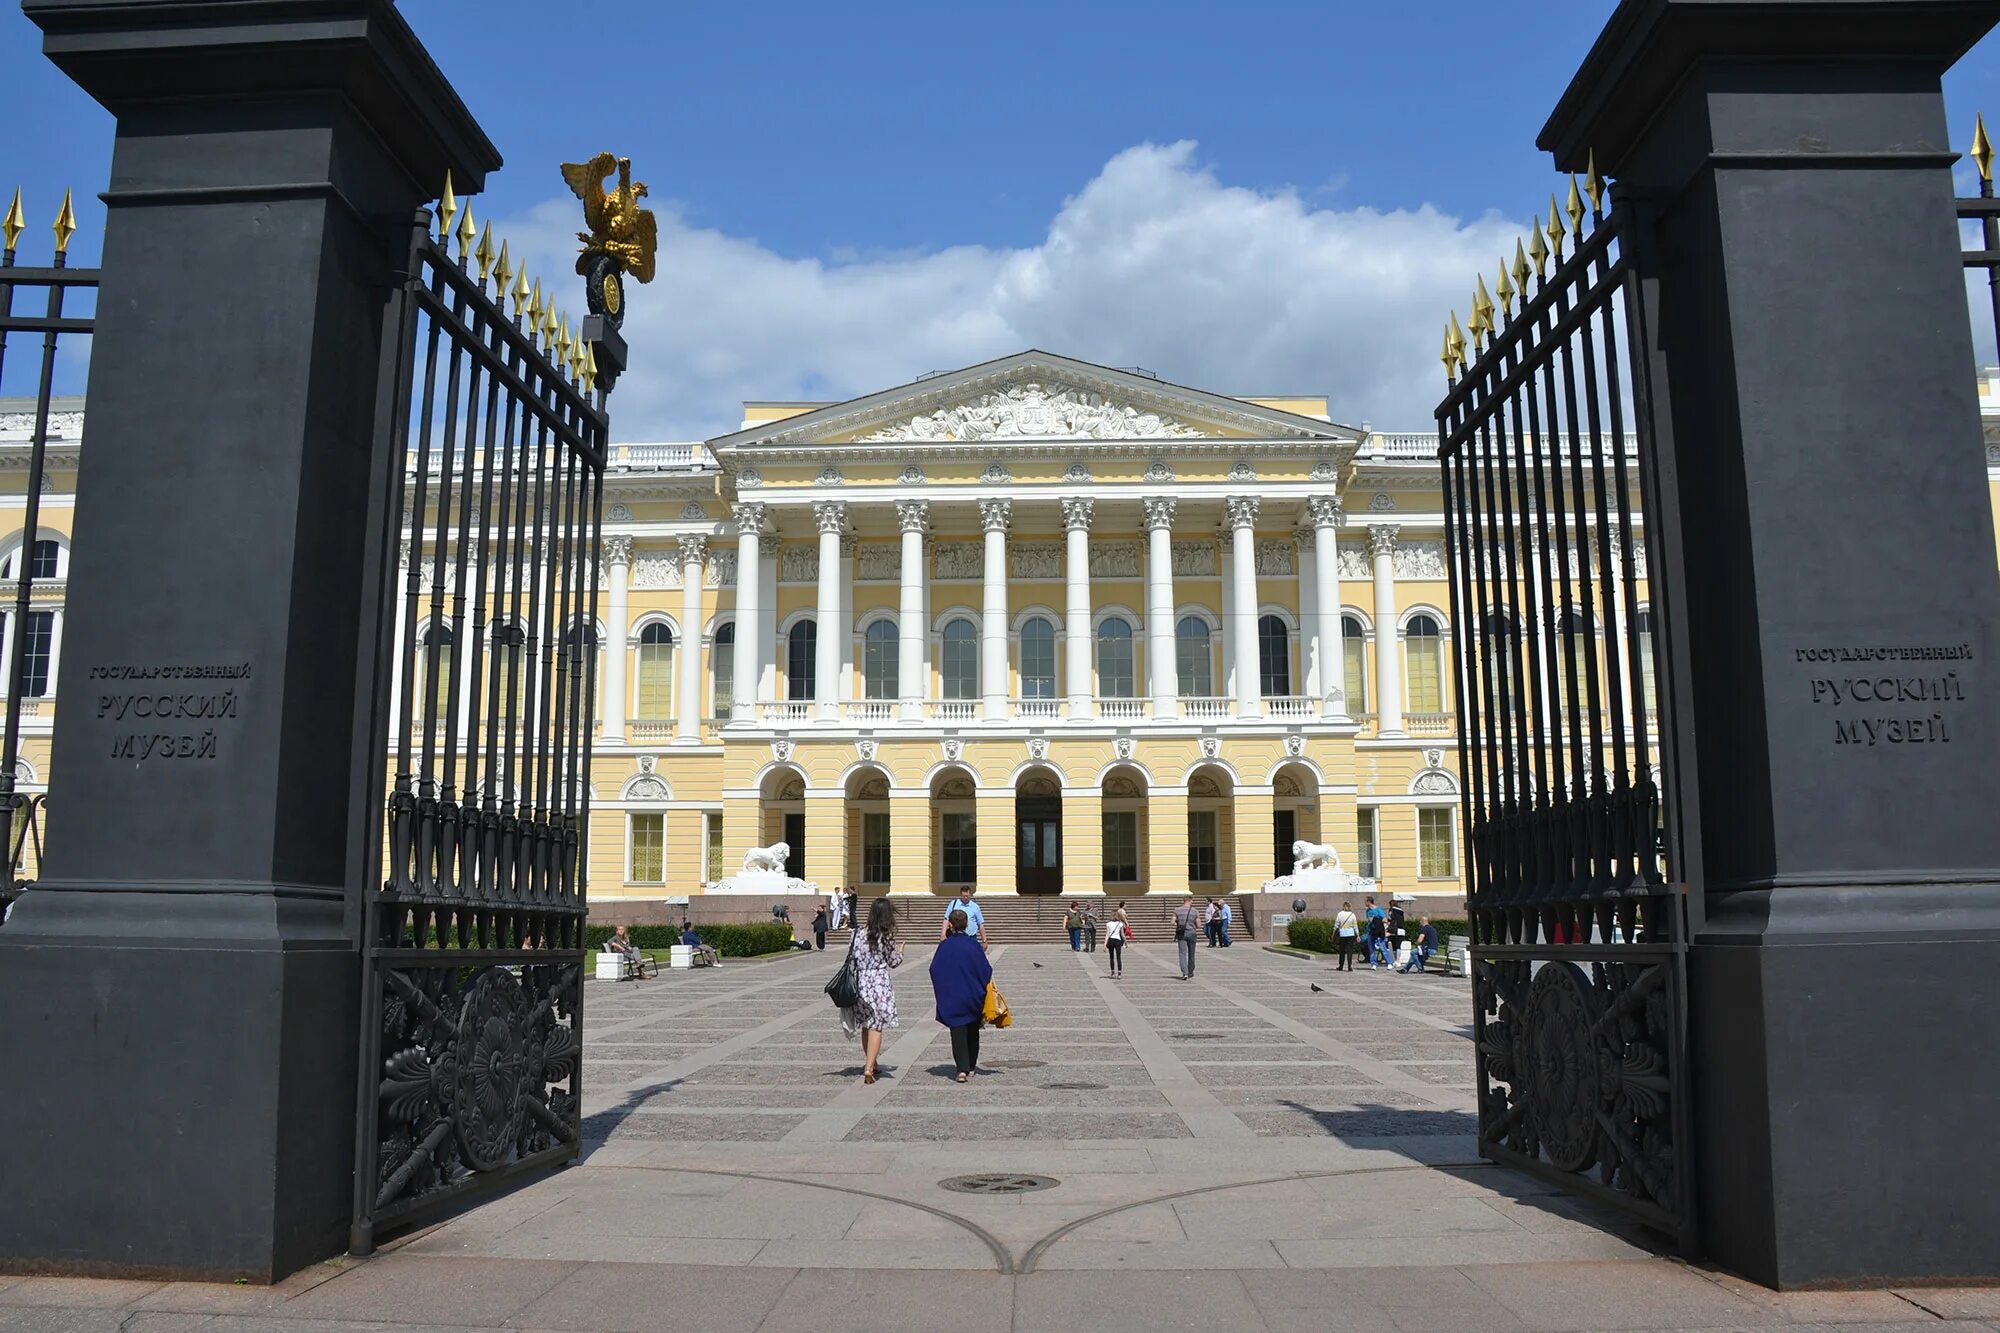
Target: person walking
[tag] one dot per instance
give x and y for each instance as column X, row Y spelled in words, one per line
column 1188, row 925
column 960, row 973
column 1426, row 945
column 1223, row 917
column 1375, row 925
column 1073, row 923
column 1345, row 929
column 1089, row 928
column 1116, row 932
column 876, row 955
column 975, row 920
column 1211, row 921
column 819, row 927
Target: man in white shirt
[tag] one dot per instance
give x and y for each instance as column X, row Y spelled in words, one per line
column 975, row 920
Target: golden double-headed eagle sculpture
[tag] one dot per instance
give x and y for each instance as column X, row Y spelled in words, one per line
column 622, row 236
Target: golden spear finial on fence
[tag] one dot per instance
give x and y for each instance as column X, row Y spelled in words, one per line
column 447, row 210
column 504, row 271
column 1521, row 269
column 467, row 233
column 1538, row 250
column 1593, row 184
column 1504, row 289
column 484, row 254
column 65, row 226
column 1458, row 340
column 16, row 222
column 520, row 292
column 1555, row 229
column 1982, row 151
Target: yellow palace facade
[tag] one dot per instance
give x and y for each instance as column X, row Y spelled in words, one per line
column 1037, row 625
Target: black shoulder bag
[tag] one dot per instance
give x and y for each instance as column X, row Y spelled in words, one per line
column 845, row 988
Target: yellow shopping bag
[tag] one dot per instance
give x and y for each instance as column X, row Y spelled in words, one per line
column 997, row 1014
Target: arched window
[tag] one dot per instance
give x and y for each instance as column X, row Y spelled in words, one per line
column 1194, row 659
column 1114, row 659
column 1274, row 657
column 1038, row 659
column 722, row 662
column 1354, row 651
column 510, row 663
column 437, row 670
column 1642, row 627
column 656, row 671
column 802, row 660
column 879, row 675
column 1423, row 658
column 44, row 561
column 958, row 660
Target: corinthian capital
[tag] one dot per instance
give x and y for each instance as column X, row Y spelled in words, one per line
column 1382, row 539
column 1242, row 511
column 830, row 515
column 1323, row 511
column 1159, row 512
column 1076, row 513
column 618, row 550
column 913, row 515
column 994, row 515
column 694, row 548
column 750, row 518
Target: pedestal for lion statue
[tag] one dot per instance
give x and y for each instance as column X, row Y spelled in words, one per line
column 764, row 872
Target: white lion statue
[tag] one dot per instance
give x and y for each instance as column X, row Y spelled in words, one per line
column 1314, row 856
column 770, row 858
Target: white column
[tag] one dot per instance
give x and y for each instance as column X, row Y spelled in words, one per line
column 611, row 708
column 767, row 628
column 1324, row 513
column 1242, row 627
column 993, row 517
column 849, row 659
column 749, row 615
column 1161, row 669
column 831, row 517
column 687, row 689
column 1388, row 672
column 402, row 595
column 1310, row 662
column 911, row 517
column 1076, row 513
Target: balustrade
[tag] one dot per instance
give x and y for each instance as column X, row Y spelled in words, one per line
column 1205, row 708
column 1121, row 710
column 1290, row 706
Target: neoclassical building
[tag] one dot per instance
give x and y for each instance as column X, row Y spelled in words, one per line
column 1038, row 625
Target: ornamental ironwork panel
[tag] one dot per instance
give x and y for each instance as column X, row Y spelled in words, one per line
column 473, row 947
column 1579, row 930
column 44, row 301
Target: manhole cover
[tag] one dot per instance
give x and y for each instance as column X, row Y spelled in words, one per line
column 1018, row 1064
column 1076, row 1087
column 1198, row 1036
column 998, row 1184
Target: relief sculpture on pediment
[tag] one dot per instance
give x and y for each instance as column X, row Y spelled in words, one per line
column 1035, row 411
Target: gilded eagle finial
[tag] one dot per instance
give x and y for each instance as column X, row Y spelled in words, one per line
column 622, row 235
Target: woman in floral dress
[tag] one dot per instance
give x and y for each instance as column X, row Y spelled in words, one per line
column 876, row 954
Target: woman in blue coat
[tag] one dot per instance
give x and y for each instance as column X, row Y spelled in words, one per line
column 960, row 973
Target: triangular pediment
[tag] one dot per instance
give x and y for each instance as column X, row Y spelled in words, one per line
column 1032, row 396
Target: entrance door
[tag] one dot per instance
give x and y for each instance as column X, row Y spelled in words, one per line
column 795, row 840
column 1284, row 832
column 1038, row 844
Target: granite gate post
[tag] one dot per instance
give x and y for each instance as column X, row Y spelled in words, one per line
column 182, row 984
column 1833, row 629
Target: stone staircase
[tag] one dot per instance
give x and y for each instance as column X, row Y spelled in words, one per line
column 1019, row 919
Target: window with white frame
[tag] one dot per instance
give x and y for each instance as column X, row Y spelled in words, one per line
column 958, row 660
column 958, row 847
column 1038, row 659
column 1194, row 657
column 38, row 645
column 1423, row 664
column 879, row 661
column 722, row 666
column 875, row 847
column 1368, row 858
column 656, row 671
column 1354, row 651
column 1114, row 659
column 46, row 560
column 1204, row 847
column 1437, row 853
column 1121, row 847
column 802, row 660
column 711, row 846
column 646, row 844
column 1274, row 657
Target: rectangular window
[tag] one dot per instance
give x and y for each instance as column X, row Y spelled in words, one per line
column 712, row 855
column 801, row 661
column 1038, row 660
column 875, row 848
column 1121, row 847
column 1204, row 859
column 1114, row 660
column 959, row 848
column 1274, row 658
column 1284, row 832
column 656, row 680
column 1194, row 663
column 1356, row 652
column 648, row 846
column 722, row 660
column 1367, row 863
column 1421, row 659
column 958, row 661
column 38, row 652
column 1436, row 857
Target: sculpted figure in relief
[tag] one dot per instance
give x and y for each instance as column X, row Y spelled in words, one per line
column 1114, row 560
column 1036, row 560
column 1034, row 411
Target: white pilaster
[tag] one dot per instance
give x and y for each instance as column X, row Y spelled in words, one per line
column 1310, row 664
column 1324, row 513
column 1076, row 513
column 687, row 690
column 993, row 518
column 1388, row 670
column 1161, row 670
column 767, row 628
column 402, row 595
column 1242, row 627
column 749, row 615
column 849, row 650
column 617, row 569
column 831, row 517
column 911, row 516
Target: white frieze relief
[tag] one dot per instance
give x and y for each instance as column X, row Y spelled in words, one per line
column 1114, row 560
column 62, row 425
column 1035, row 411
column 878, row 562
column 958, row 560
column 618, row 513
column 1193, row 560
column 1275, row 557
column 656, row 569
column 798, row 563
column 1420, row 559
column 1035, row 560
column 1639, row 557
column 1354, row 562
column 721, row 569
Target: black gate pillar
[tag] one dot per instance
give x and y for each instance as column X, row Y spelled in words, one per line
column 1830, row 641
column 181, row 987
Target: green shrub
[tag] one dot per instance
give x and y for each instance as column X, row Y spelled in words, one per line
column 734, row 940
column 1311, row 932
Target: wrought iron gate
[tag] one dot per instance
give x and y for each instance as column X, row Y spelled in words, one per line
column 29, row 630
column 1579, row 930
column 472, row 995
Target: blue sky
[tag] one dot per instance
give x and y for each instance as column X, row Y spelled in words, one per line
column 1268, row 197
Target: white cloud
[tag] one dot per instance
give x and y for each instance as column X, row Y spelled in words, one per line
column 1155, row 263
